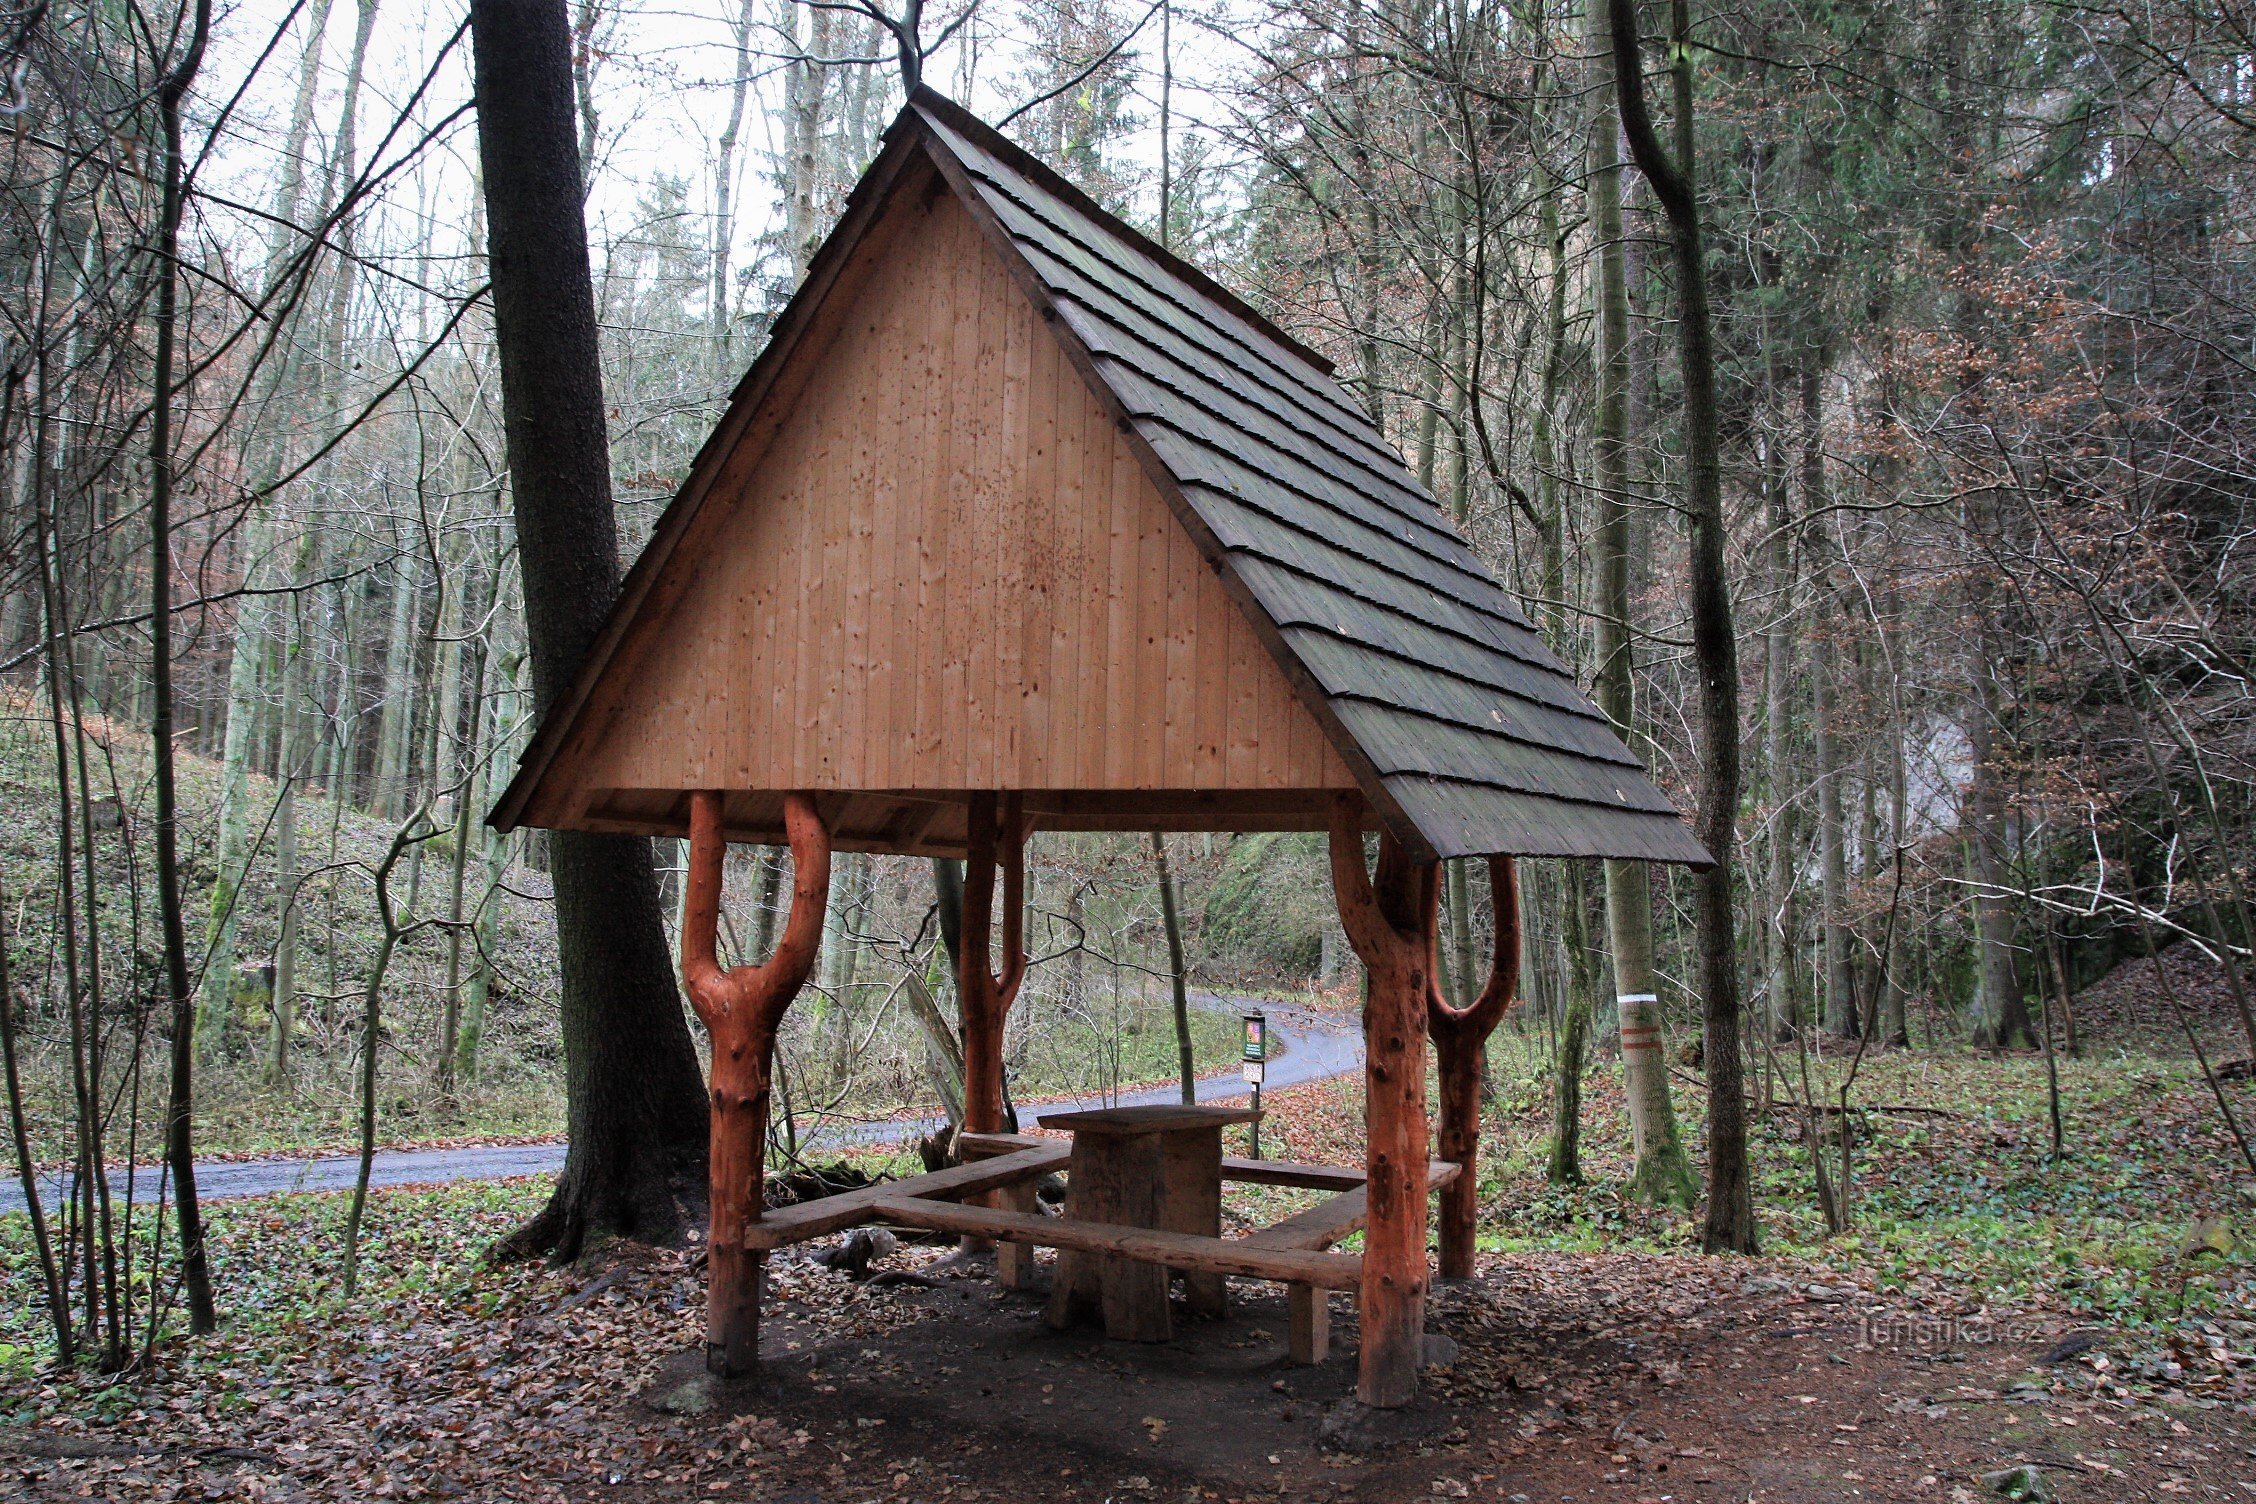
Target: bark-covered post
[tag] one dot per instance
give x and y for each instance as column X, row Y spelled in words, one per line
column 742, row 1007
column 1460, row 1035
column 1390, row 922
column 985, row 994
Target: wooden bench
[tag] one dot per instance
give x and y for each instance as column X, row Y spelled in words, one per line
column 1258, row 1255
column 1308, row 1311
column 1232, row 1256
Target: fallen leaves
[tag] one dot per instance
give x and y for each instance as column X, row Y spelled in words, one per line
column 451, row 1379
column 1596, row 1340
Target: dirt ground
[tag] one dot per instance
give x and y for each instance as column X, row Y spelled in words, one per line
column 1574, row 1378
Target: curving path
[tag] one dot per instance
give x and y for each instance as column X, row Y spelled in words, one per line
column 1314, row 1046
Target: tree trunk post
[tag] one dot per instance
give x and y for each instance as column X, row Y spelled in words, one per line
column 1390, row 920
column 1460, row 1037
column 742, row 1007
column 997, row 828
column 986, row 995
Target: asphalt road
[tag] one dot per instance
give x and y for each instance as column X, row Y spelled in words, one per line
column 1306, row 1046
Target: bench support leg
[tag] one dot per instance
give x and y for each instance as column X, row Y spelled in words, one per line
column 1308, row 1324
column 1014, row 1262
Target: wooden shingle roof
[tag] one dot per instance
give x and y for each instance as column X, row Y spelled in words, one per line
column 1466, row 734
column 1474, row 728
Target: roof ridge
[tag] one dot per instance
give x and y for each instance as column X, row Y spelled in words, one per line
column 926, row 99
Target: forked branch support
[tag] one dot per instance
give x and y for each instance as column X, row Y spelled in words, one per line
column 742, row 1007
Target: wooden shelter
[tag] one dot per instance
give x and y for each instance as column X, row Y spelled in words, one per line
column 1021, row 523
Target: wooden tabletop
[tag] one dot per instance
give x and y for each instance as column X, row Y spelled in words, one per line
column 1163, row 1118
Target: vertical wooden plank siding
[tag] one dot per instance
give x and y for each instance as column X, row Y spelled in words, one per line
column 949, row 571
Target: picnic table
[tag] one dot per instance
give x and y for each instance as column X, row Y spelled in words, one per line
column 1007, row 1166
column 1156, row 1167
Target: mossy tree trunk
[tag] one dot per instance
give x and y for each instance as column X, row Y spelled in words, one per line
column 1662, row 1172
column 1730, row 1220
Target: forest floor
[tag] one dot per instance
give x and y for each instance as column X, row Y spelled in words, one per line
column 1597, row 1357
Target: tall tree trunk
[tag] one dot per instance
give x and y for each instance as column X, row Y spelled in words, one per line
column 1730, row 1222
column 1870, row 863
column 2001, row 1016
column 180, row 1147
column 443, row 754
column 1832, row 852
column 504, row 718
column 215, row 1003
column 466, row 765
column 1186, row 1067
column 262, row 533
column 290, row 757
column 1662, row 1173
column 1571, row 1049
column 1778, row 702
column 1457, row 905
column 1894, row 1028
column 1825, row 677
column 719, row 296
column 395, row 714
column 636, row 1103
column 803, row 126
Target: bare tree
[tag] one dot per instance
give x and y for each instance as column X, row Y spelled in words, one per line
column 636, row 1099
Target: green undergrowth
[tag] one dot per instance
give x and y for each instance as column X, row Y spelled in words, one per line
column 1965, row 1203
column 1091, row 1050
column 278, row 1264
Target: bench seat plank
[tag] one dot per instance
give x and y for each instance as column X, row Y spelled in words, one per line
column 1235, row 1171
column 828, row 1214
column 1285, row 1172
column 1320, row 1226
column 1238, row 1256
